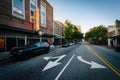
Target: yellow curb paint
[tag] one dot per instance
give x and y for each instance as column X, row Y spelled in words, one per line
column 114, row 69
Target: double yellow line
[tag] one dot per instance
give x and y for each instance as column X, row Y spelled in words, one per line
column 114, row 69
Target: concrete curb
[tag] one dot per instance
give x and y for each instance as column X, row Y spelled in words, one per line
column 4, row 57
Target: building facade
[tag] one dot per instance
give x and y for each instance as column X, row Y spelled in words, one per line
column 24, row 22
column 114, row 34
column 58, row 31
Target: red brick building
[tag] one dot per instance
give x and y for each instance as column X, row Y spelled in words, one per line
column 17, row 25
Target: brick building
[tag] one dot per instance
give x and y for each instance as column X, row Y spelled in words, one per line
column 58, row 31
column 17, row 22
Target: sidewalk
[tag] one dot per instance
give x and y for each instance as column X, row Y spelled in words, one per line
column 117, row 49
column 4, row 56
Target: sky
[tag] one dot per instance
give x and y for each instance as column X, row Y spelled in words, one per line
column 86, row 13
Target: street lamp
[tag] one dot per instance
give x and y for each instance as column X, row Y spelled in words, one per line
column 40, row 34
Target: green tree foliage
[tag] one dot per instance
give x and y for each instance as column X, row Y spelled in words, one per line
column 76, row 35
column 71, row 32
column 97, row 34
column 68, row 30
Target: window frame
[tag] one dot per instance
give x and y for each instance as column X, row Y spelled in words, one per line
column 36, row 5
column 43, row 3
column 16, row 10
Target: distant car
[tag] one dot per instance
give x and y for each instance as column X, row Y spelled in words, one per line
column 65, row 44
column 71, row 44
column 30, row 50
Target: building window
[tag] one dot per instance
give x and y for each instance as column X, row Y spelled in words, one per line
column 43, row 14
column 18, row 8
column 118, row 31
column 33, row 5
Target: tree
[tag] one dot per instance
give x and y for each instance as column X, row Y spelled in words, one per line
column 97, row 34
column 68, row 30
column 76, row 35
column 71, row 32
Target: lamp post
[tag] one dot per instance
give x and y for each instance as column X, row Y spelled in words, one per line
column 40, row 34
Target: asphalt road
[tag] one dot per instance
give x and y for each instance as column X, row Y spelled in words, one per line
column 77, row 62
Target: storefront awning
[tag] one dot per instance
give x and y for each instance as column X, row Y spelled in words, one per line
column 117, row 36
column 6, row 27
column 48, row 35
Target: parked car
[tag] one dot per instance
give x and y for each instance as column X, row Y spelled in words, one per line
column 72, row 43
column 65, row 44
column 29, row 50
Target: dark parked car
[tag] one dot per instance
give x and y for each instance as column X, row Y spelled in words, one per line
column 29, row 50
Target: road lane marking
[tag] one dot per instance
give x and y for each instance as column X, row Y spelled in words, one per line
column 93, row 64
column 52, row 64
column 64, row 67
column 113, row 68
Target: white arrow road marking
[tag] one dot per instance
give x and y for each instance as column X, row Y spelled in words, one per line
column 64, row 67
column 92, row 63
column 47, row 58
column 52, row 64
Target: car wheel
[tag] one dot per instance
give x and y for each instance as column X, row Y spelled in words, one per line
column 47, row 50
